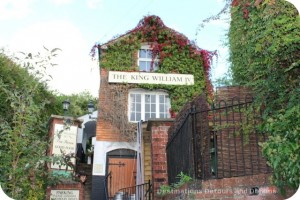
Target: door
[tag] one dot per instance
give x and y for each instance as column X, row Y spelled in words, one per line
column 123, row 173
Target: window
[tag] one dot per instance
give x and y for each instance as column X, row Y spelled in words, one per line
column 145, row 59
column 144, row 105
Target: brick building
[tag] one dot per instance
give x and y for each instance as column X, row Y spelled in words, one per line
column 146, row 75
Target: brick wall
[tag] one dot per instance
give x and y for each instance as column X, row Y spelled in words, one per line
column 159, row 138
column 112, row 123
column 147, row 155
column 67, row 186
column 256, row 187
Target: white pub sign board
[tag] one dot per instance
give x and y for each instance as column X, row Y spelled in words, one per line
column 64, row 140
column 150, row 78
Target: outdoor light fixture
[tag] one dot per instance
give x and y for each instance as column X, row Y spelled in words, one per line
column 66, row 104
column 91, row 109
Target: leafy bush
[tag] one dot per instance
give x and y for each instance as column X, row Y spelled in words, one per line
column 264, row 46
column 167, row 189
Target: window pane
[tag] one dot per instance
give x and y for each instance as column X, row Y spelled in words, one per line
column 147, row 98
column 147, row 108
column 153, row 98
column 138, row 117
column 142, row 53
column 161, row 108
column 148, row 64
column 147, row 116
column 138, row 98
column 167, row 100
column 153, row 108
column 132, row 97
column 132, row 106
column 153, row 115
column 161, row 98
column 155, row 65
column 132, row 116
column 143, row 66
column 138, row 107
column 149, row 53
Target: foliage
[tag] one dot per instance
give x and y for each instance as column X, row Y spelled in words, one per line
column 167, row 189
column 16, row 78
column 78, row 103
column 183, row 179
column 264, row 44
column 283, row 147
column 26, row 105
column 176, row 55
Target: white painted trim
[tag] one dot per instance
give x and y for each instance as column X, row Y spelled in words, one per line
column 101, row 149
column 143, row 92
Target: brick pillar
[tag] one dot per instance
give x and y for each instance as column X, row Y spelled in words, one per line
column 159, row 138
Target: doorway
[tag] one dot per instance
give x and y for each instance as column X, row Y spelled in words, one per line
column 121, row 165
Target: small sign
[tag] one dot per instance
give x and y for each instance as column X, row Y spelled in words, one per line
column 64, row 195
column 150, row 78
column 64, row 140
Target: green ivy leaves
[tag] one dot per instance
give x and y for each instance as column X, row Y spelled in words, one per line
column 264, row 51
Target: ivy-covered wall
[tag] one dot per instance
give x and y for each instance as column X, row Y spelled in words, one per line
column 264, row 42
column 176, row 55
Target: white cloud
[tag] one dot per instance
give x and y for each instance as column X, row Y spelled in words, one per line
column 94, row 4
column 61, row 2
column 75, row 71
column 15, row 9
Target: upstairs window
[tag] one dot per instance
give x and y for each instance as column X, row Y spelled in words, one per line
column 144, row 105
column 145, row 60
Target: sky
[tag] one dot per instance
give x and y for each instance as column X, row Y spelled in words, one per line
column 75, row 26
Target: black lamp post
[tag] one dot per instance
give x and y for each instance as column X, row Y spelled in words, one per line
column 91, row 109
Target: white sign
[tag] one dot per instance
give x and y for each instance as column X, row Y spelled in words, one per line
column 64, row 140
column 150, row 78
column 64, row 195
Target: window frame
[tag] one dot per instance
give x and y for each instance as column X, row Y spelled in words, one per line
column 143, row 93
column 156, row 60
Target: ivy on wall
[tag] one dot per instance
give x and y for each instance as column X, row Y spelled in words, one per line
column 176, row 55
column 264, row 40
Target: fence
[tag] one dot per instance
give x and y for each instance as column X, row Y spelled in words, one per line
column 217, row 142
column 138, row 192
column 107, row 188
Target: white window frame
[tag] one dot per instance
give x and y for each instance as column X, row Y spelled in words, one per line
column 156, row 60
column 143, row 94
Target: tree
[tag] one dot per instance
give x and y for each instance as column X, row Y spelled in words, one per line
column 78, row 103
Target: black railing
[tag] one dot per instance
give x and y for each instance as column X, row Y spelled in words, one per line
column 106, row 186
column 138, row 192
column 220, row 142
